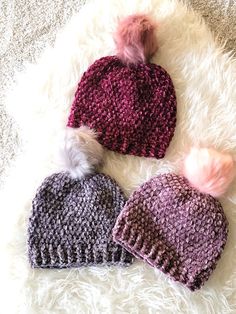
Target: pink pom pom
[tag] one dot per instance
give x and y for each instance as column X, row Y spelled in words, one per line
column 209, row 171
column 135, row 39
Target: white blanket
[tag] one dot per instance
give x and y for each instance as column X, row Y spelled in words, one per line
column 204, row 80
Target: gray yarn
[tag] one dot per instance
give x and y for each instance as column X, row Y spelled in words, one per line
column 72, row 220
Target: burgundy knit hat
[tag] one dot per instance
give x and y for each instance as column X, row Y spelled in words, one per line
column 173, row 226
column 128, row 101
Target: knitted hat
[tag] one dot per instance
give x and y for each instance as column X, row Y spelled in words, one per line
column 128, row 101
column 72, row 220
column 73, row 213
column 173, row 226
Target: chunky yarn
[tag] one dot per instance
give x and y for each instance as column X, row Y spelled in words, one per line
column 174, row 227
column 131, row 108
column 72, row 220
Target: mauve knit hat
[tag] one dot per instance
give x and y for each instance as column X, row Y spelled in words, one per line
column 128, row 101
column 73, row 214
column 173, row 226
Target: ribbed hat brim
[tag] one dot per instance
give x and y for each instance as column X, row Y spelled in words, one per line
column 161, row 257
column 78, row 256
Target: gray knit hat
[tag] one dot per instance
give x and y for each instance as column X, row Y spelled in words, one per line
column 72, row 220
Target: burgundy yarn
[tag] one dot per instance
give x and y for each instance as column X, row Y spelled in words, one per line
column 133, row 108
column 175, row 228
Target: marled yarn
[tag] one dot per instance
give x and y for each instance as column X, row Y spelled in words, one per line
column 132, row 108
column 175, row 228
column 72, row 220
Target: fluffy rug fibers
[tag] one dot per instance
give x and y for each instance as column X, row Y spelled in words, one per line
column 205, row 81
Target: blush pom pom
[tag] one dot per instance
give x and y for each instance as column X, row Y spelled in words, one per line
column 81, row 153
column 135, row 39
column 209, row 171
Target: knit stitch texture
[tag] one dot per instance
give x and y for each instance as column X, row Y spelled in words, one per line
column 133, row 108
column 72, row 220
column 175, row 228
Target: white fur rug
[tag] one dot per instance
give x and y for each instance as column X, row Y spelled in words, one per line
column 205, row 82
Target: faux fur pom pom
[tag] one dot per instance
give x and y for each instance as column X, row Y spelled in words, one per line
column 135, row 39
column 81, row 152
column 209, row 171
